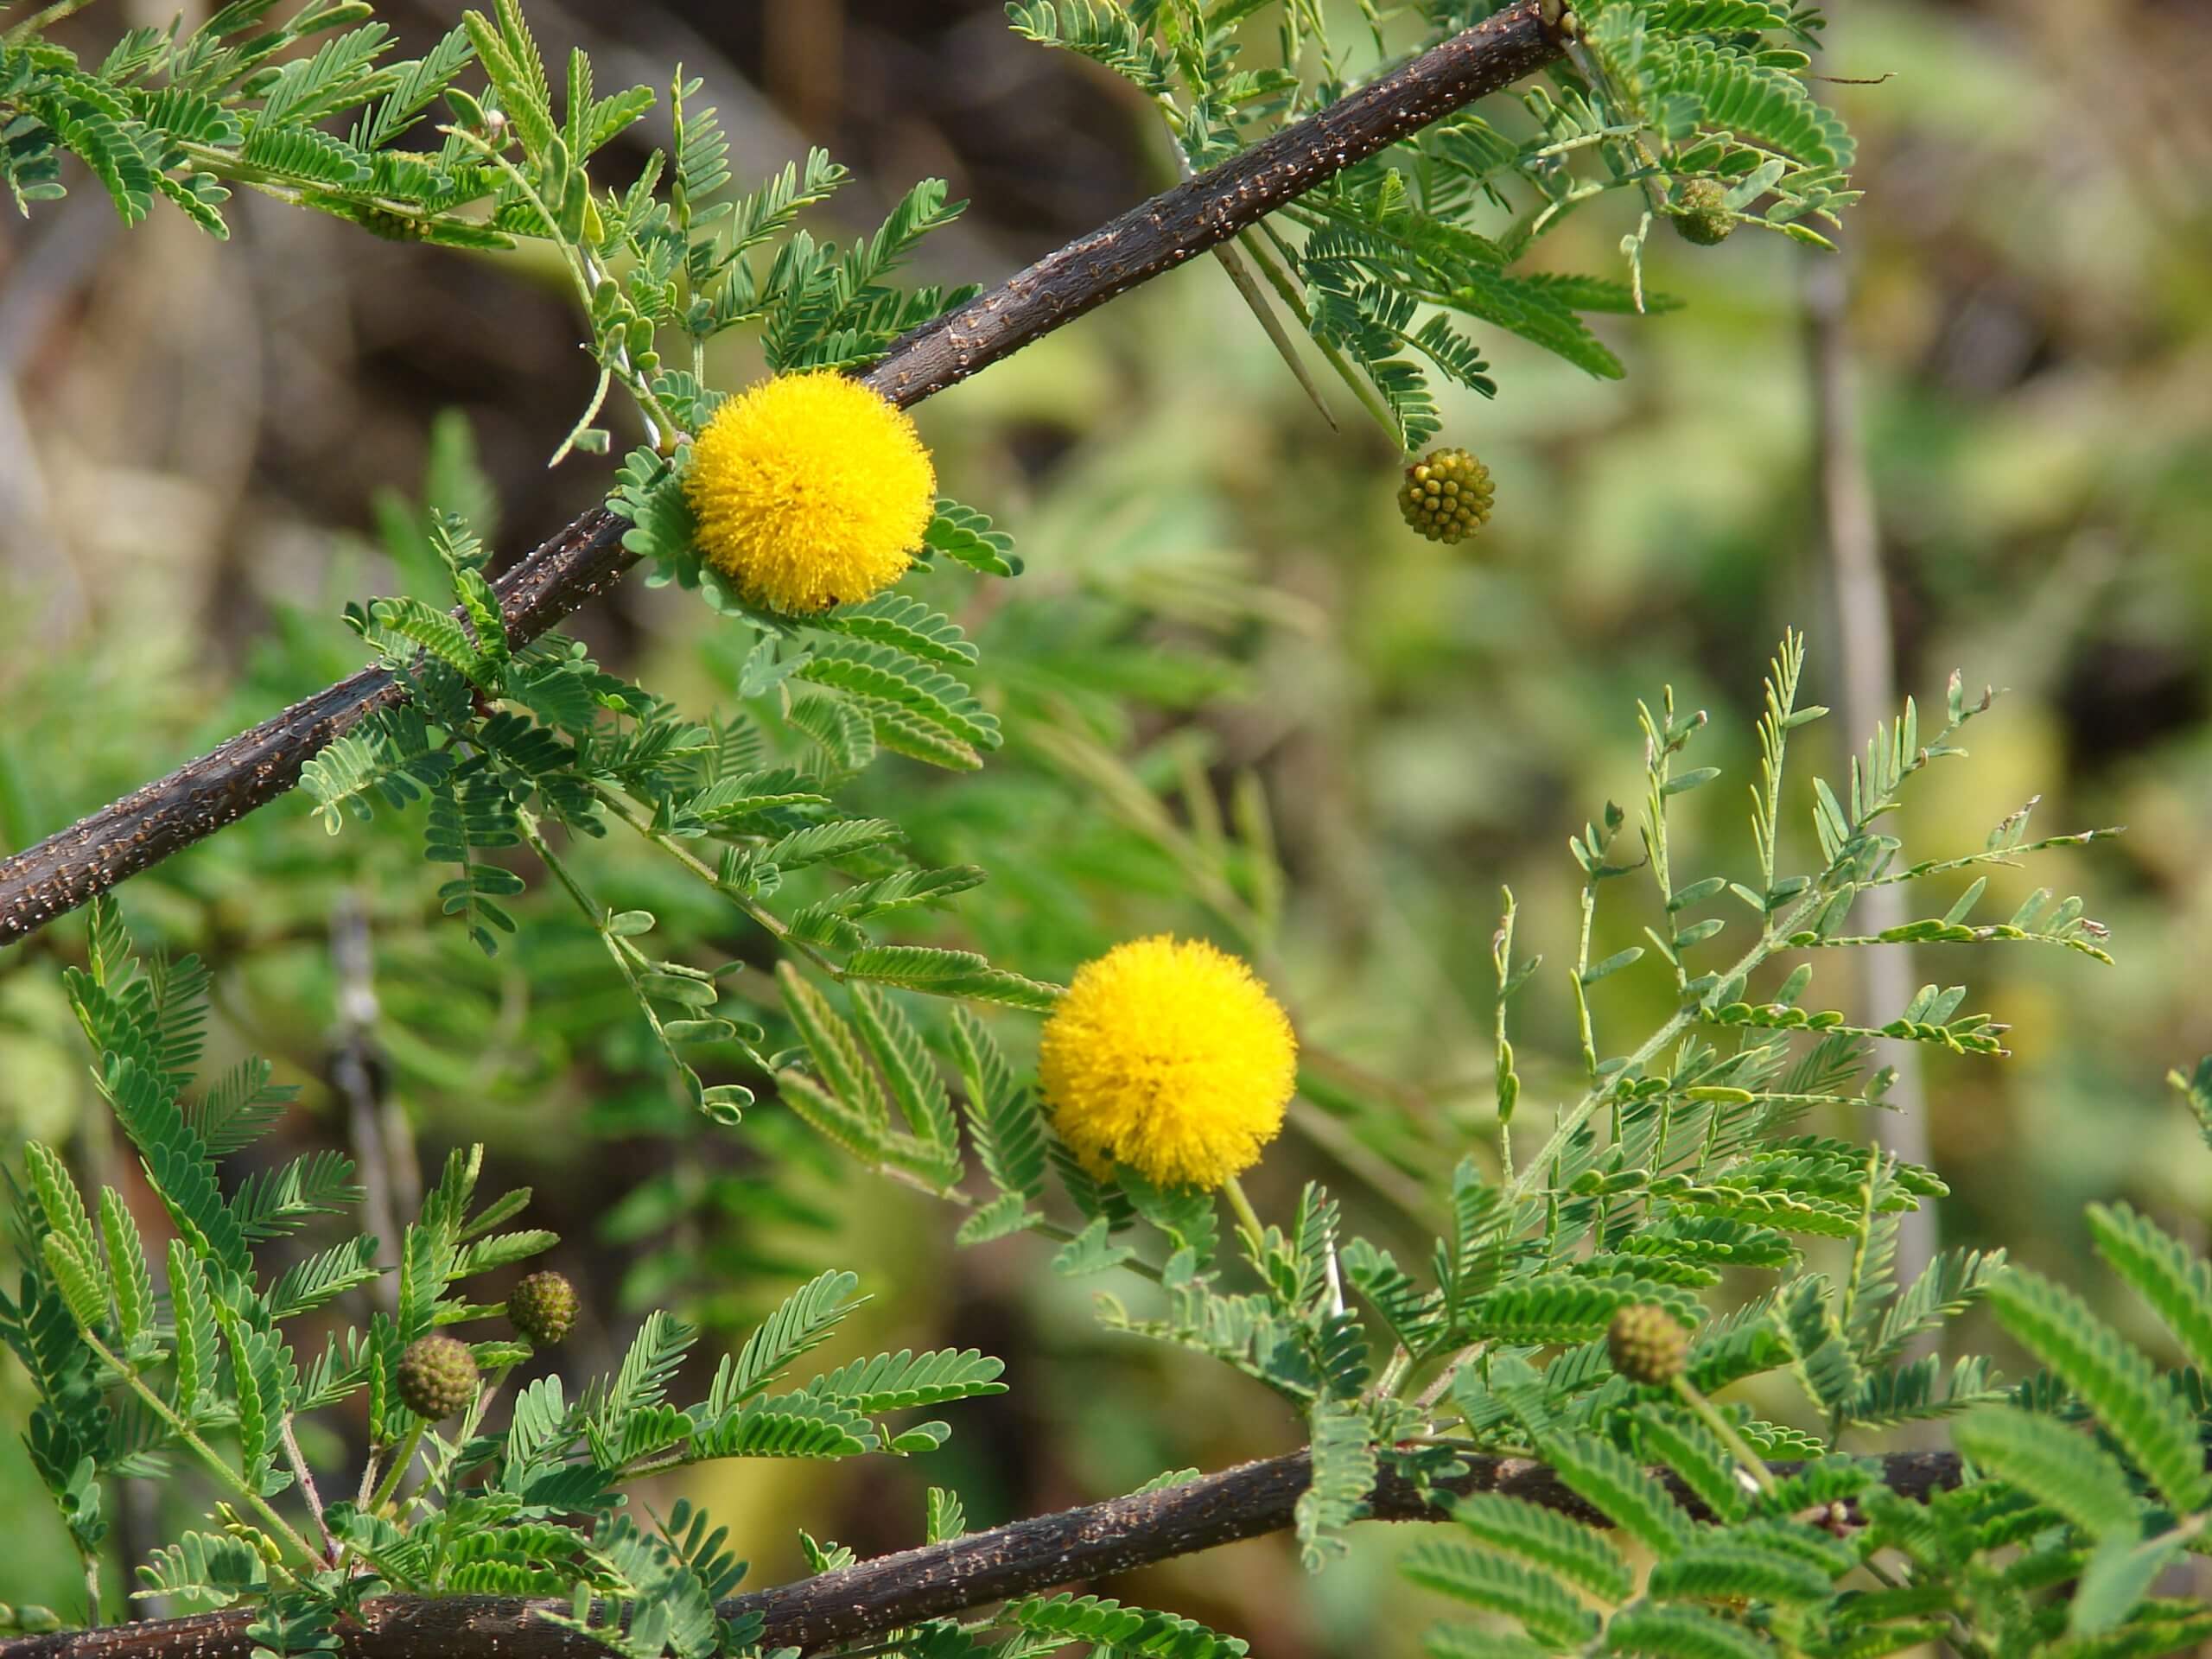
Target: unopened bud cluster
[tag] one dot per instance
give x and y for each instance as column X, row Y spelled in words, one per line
column 1702, row 214
column 542, row 1308
column 437, row 1376
column 1648, row 1344
column 1446, row 495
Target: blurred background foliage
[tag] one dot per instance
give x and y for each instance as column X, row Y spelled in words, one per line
column 1241, row 699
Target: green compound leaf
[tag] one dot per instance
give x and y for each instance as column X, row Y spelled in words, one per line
column 1681, row 1633
column 906, row 624
column 1004, row 1123
column 1616, row 1484
column 98, row 129
column 2056, row 1465
column 1112, row 1627
column 789, row 1426
column 1101, row 32
column 904, row 731
column 821, row 843
column 1553, row 1615
column 1735, row 93
column 82, row 1286
column 950, row 973
column 1545, row 1538
column 906, row 1066
column 2119, row 1575
column 306, row 1285
column 1002, row 1218
column 2176, row 1283
column 803, row 1322
column 965, row 535
column 648, row 1369
column 1092, row 1250
column 132, row 1283
column 197, row 1334
column 896, row 1381
column 240, row 1107
column 204, row 1571
column 1693, row 1452
column 886, row 674
column 1729, row 1571
column 1538, row 313
column 386, row 756
column 511, row 62
column 1343, row 1470
column 200, row 198
column 2141, row 1410
column 837, row 1055
column 60, row 1207
column 1568, row 1307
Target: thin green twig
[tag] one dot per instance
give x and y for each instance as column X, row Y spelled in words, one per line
column 619, row 805
column 200, row 1448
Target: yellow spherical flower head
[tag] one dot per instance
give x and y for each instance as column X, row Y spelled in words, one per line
column 1171, row 1058
column 809, row 491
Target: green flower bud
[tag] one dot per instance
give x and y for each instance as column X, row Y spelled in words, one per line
column 542, row 1308
column 1648, row 1344
column 1446, row 495
column 1702, row 214
column 437, row 1376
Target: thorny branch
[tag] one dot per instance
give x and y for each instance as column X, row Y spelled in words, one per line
column 77, row 864
column 893, row 1591
column 582, row 561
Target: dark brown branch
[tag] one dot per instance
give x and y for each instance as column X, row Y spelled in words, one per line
column 252, row 769
column 80, row 863
column 1073, row 1546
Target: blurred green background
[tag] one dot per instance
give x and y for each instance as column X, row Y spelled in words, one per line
column 205, row 451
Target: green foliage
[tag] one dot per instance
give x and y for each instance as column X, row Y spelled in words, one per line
column 1376, row 263
column 1544, row 1538
column 2050, row 1497
column 2056, row 1465
column 507, row 741
column 1105, row 35
column 1342, row 1451
column 1696, row 1168
column 1613, row 1483
column 1112, row 1627
column 1552, row 1614
column 2143, row 1411
column 132, row 1383
column 1666, row 1171
column 233, row 102
column 1673, row 1168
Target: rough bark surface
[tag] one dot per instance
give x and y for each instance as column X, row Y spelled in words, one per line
column 1073, row 1546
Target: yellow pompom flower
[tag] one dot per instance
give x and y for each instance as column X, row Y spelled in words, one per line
column 1168, row 1056
column 809, row 491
